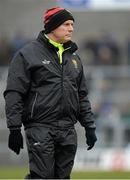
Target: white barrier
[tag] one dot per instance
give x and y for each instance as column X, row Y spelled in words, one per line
column 102, row 159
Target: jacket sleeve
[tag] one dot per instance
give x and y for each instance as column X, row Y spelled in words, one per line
column 86, row 117
column 18, row 83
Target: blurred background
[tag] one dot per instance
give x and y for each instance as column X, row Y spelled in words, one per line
column 102, row 32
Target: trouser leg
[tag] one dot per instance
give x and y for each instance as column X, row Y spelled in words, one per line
column 41, row 152
column 28, row 176
column 32, row 175
column 65, row 154
column 64, row 161
column 35, row 175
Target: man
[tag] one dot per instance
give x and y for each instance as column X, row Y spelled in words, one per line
column 46, row 92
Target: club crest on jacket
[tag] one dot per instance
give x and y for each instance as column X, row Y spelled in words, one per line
column 75, row 63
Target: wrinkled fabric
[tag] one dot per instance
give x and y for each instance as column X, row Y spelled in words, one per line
column 51, row 151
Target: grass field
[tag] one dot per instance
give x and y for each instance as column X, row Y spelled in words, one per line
column 19, row 173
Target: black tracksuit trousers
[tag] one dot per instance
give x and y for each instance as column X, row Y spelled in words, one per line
column 51, row 152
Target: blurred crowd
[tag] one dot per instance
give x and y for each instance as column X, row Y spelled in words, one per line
column 104, row 49
column 9, row 47
column 97, row 49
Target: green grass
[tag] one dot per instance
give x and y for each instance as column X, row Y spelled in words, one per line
column 101, row 175
column 20, row 172
column 13, row 172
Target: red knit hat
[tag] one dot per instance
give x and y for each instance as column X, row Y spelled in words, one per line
column 54, row 17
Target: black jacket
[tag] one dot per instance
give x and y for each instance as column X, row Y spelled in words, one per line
column 40, row 91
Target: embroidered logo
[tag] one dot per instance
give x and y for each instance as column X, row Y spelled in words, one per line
column 75, row 63
column 37, row 144
column 45, row 61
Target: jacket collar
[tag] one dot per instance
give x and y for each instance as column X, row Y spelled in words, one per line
column 71, row 46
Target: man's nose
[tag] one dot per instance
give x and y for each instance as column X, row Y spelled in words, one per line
column 71, row 28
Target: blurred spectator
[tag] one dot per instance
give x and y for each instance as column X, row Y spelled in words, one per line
column 128, row 49
column 5, row 52
column 8, row 49
column 101, row 49
column 18, row 42
column 108, row 51
column 104, row 56
column 90, row 48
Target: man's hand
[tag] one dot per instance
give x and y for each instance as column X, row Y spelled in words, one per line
column 15, row 142
column 90, row 138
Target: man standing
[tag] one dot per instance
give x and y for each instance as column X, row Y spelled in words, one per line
column 46, row 92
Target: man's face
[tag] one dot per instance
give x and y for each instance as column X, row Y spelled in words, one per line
column 64, row 32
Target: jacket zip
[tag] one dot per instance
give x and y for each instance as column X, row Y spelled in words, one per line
column 62, row 78
column 33, row 105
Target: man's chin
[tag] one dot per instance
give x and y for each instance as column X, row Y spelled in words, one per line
column 67, row 39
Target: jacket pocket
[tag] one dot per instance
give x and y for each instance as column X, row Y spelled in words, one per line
column 33, row 105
